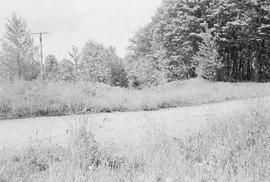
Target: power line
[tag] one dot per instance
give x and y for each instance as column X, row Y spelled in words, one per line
column 41, row 50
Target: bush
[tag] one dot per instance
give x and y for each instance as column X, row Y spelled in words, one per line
column 145, row 72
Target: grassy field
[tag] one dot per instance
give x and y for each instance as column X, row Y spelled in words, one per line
column 31, row 99
column 234, row 149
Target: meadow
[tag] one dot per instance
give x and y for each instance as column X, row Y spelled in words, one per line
column 22, row 99
column 233, row 149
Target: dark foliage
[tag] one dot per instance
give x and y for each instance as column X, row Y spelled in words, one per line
column 241, row 28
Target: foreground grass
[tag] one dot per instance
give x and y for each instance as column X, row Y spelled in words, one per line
column 30, row 99
column 235, row 149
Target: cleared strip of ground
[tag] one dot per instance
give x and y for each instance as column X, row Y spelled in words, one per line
column 123, row 128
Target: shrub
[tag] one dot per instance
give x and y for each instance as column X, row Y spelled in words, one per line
column 145, row 72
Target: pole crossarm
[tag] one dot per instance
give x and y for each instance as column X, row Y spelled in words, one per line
column 38, row 33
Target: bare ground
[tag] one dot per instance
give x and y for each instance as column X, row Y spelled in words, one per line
column 122, row 128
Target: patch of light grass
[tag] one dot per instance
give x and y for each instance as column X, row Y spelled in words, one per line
column 233, row 149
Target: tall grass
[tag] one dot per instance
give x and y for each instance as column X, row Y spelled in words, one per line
column 234, row 149
column 30, row 99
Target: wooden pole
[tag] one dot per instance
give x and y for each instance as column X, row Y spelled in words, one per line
column 41, row 51
column 41, row 57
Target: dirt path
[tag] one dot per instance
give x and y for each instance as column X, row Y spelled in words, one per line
column 129, row 127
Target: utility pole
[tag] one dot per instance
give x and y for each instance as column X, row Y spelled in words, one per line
column 41, row 51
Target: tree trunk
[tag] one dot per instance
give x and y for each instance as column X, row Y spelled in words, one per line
column 255, row 66
column 19, row 67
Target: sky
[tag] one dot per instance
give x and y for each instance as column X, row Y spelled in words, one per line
column 74, row 22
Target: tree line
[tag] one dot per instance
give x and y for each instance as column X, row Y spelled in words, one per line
column 19, row 59
column 224, row 40
column 228, row 40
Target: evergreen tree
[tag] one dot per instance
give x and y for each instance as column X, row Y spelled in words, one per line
column 18, row 53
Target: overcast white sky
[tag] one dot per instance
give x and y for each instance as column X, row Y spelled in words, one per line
column 73, row 22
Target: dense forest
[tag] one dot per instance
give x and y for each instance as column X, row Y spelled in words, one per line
column 222, row 40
